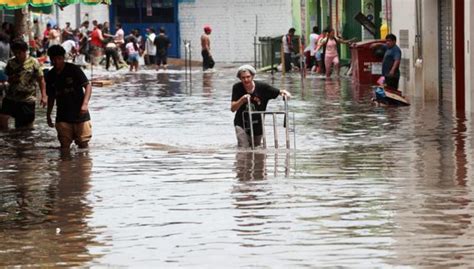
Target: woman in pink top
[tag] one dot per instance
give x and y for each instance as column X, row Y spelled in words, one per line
column 331, row 55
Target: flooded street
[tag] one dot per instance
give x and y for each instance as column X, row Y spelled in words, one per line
column 164, row 186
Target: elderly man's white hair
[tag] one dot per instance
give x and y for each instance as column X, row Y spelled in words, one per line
column 246, row 67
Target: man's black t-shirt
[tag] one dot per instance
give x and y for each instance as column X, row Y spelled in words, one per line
column 162, row 43
column 259, row 99
column 67, row 89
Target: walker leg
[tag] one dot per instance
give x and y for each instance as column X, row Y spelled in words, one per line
column 263, row 131
column 275, row 132
column 252, row 136
column 287, row 125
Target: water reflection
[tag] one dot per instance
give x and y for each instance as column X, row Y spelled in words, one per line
column 207, row 85
column 251, row 196
column 332, row 90
column 41, row 215
column 371, row 186
column 460, row 150
column 250, row 165
column 438, row 218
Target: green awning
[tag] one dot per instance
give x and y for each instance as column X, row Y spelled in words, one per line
column 16, row 4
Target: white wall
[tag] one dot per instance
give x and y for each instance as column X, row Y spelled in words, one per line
column 404, row 18
column 96, row 12
column 469, row 58
column 233, row 25
column 430, row 36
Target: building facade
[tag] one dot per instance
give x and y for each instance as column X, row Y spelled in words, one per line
column 76, row 14
column 142, row 14
column 436, row 38
column 340, row 15
column 234, row 24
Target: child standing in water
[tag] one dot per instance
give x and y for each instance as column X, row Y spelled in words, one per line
column 133, row 53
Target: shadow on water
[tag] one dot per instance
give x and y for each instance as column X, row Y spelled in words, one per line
column 44, row 209
column 163, row 184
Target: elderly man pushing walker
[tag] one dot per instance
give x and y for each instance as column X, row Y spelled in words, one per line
column 259, row 93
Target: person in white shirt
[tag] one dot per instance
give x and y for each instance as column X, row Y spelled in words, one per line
column 310, row 50
column 84, row 29
column 150, row 46
column 119, row 37
column 70, row 46
column 288, row 48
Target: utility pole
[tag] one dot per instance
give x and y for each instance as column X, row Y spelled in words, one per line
column 20, row 24
column 78, row 16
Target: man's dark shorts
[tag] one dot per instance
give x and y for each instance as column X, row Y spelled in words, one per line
column 161, row 59
column 392, row 82
column 24, row 113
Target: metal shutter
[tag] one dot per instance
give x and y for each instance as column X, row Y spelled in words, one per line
column 446, row 50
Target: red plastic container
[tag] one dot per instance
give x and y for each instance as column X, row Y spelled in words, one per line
column 366, row 65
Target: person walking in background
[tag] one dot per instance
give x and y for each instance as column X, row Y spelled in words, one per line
column 133, row 53
column 162, row 43
column 331, row 56
column 96, row 44
column 71, row 48
column 150, row 47
column 106, row 29
column 119, row 39
column 119, row 36
column 310, row 50
column 288, row 48
column 111, row 51
column 46, row 36
column 7, row 28
column 207, row 59
column 139, row 39
column 319, row 52
column 69, row 87
column 54, row 36
column 84, row 29
column 4, row 48
column 4, row 56
column 25, row 75
column 83, row 56
column 67, row 33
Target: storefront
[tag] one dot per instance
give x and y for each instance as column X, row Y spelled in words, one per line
column 142, row 14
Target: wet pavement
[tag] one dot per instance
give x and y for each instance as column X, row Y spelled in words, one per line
column 163, row 185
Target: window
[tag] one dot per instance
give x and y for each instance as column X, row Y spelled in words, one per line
column 127, row 11
column 158, row 11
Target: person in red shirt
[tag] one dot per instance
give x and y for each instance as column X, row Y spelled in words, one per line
column 46, row 35
column 97, row 44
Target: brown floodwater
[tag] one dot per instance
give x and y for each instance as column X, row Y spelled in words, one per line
column 164, row 186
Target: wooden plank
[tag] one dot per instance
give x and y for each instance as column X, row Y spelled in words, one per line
column 101, row 83
column 396, row 97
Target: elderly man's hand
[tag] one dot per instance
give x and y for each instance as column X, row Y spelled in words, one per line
column 246, row 98
column 285, row 93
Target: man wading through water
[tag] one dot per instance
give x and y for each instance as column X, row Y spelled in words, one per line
column 25, row 76
column 69, row 87
column 207, row 60
column 260, row 93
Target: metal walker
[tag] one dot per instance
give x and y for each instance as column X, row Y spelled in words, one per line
column 275, row 132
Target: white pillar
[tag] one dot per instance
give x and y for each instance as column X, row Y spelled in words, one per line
column 469, row 55
column 430, row 37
